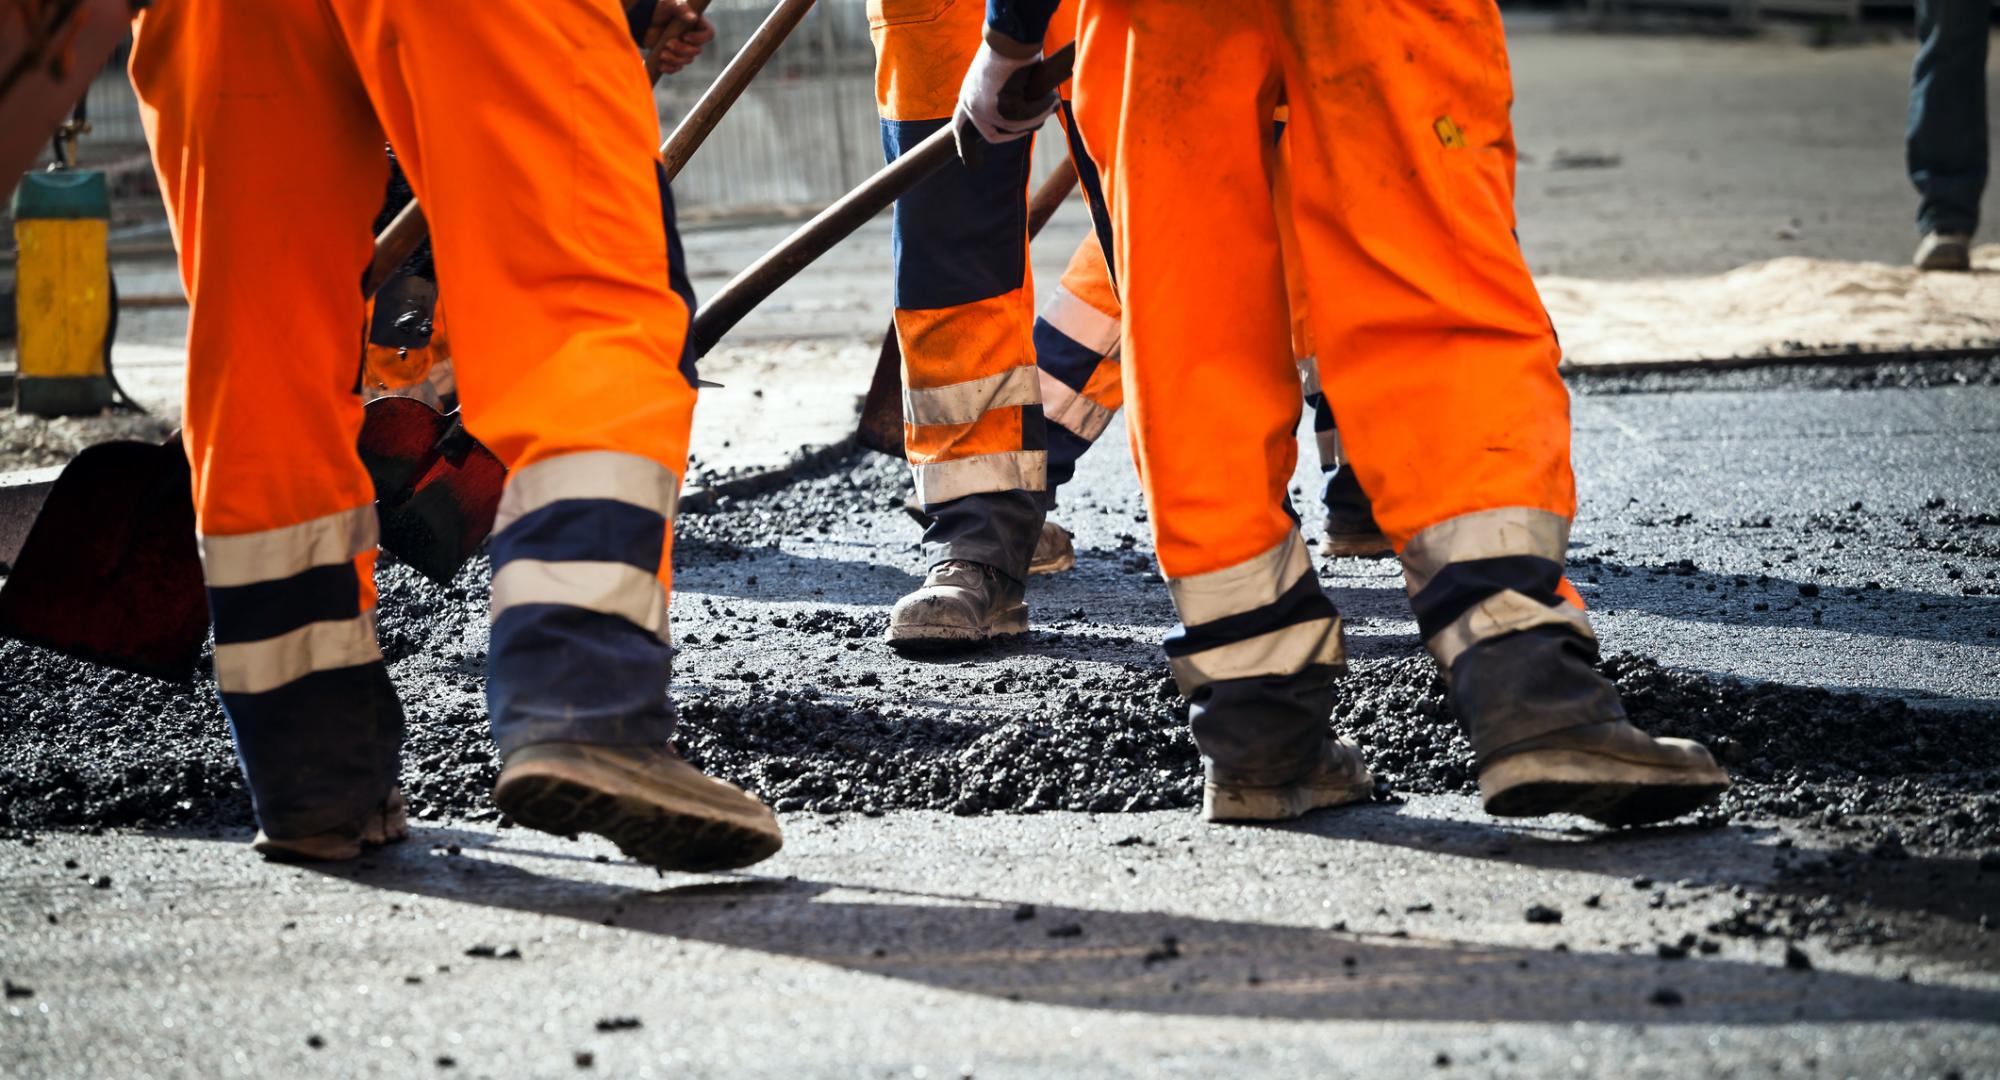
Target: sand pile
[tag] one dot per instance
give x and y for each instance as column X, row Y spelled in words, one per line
column 1782, row 306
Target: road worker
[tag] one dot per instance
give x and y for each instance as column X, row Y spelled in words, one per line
column 569, row 327
column 965, row 311
column 1436, row 355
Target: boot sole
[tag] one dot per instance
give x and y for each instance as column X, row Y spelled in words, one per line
column 918, row 638
column 1061, row 563
column 1237, row 804
column 660, row 827
column 1356, row 546
column 1605, row 789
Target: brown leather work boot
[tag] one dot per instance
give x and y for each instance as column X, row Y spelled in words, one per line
column 388, row 823
column 1339, row 777
column 1550, row 736
column 655, row 806
column 1055, row 551
column 960, row 603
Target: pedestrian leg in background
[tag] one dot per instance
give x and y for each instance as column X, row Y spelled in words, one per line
column 271, row 163
column 1946, row 148
column 976, row 439
column 569, row 332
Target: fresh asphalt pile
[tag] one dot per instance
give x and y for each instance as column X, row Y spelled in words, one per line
column 818, row 716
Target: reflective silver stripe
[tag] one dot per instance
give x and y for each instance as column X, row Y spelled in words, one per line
column 1081, row 323
column 1280, row 652
column 276, row 554
column 608, row 588
column 1503, row 613
column 1487, row 534
column 1309, row 373
column 965, row 402
column 593, row 474
column 1247, row 586
column 1018, row 470
column 253, row 667
column 1072, row 411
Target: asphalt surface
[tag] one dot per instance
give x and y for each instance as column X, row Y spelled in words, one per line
column 884, row 941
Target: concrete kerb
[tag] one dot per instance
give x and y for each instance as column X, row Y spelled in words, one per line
column 1804, row 358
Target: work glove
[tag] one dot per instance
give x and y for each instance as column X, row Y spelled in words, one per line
column 993, row 99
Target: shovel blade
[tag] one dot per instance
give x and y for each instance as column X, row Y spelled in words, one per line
column 881, row 427
column 434, row 513
column 109, row 572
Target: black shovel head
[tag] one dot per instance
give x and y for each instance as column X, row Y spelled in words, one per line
column 109, row 572
column 881, row 428
column 436, row 487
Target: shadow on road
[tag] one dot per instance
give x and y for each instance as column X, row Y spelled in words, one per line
column 1677, row 859
column 1173, row 964
column 1683, row 591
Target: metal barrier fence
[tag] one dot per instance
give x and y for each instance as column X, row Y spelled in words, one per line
column 802, row 135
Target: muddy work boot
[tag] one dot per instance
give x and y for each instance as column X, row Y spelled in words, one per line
column 1055, row 552
column 960, row 603
column 388, row 823
column 656, row 807
column 1944, row 251
column 1550, row 736
column 1339, row 777
column 1350, row 520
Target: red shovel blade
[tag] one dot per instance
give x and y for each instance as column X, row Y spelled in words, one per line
column 109, row 572
column 436, row 488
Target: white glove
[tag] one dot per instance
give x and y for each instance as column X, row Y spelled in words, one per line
column 993, row 96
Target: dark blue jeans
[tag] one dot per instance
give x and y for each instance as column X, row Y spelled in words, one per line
column 1946, row 147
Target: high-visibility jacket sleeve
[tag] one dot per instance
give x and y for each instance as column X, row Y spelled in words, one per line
column 1026, row 21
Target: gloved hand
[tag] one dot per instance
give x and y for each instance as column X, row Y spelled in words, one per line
column 994, row 98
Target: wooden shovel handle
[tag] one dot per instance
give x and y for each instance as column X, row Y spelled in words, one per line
column 722, row 93
column 835, row 223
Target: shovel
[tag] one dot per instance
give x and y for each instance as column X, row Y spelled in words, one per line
column 109, row 572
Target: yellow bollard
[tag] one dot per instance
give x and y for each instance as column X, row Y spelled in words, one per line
column 62, row 292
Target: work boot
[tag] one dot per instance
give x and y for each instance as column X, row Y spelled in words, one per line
column 1944, row 251
column 959, row 603
column 1350, row 520
column 656, row 807
column 1055, row 552
column 1339, row 777
column 1550, row 736
column 388, row 823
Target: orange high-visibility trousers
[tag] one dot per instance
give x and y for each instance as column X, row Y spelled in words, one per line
column 529, row 135
column 1434, row 349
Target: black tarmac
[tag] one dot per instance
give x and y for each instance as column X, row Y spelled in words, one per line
column 785, row 688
